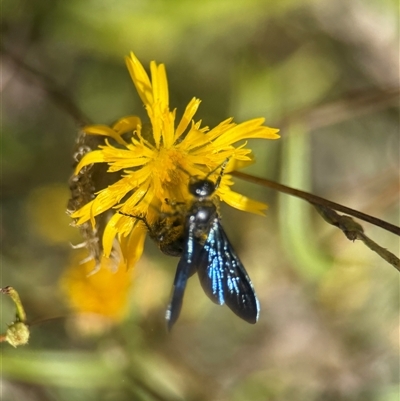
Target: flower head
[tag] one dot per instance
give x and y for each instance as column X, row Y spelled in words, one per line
column 104, row 294
column 156, row 165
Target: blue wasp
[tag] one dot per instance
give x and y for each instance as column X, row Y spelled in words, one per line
column 205, row 249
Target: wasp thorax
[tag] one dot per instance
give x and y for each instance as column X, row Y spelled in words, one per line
column 203, row 214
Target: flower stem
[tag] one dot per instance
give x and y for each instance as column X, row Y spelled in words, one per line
column 317, row 200
column 18, row 332
column 21, row 315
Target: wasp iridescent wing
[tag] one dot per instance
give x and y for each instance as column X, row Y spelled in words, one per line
column 223, row 276
column 175, row 305
column 185, row 269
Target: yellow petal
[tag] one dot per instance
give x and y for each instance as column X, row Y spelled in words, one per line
column 187, row 117
column 242, row 202
column 139, row 202
column 95, row 156
column 132, row 245
column 127, row 124
column 246, row 130
column 110, row 232
column 159, row 85
column 239, row 163
column 140, row 79
column 194, row 140
column 104, row 130
column 105, row 199
column 120, row 159
column 220, row 129
column 131, row 236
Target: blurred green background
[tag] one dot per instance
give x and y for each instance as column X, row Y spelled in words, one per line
column 327, row 74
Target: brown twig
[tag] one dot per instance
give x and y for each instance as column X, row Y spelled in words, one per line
column 348, row 106
column 317, row 200
column 52, row 89
column 354, row 231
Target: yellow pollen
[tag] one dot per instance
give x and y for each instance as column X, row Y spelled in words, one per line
column 168, row 168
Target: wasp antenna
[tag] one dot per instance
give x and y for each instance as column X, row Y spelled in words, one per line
column 141, row 218
column 222, row 167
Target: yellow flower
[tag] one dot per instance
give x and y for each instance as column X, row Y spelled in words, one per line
column 156, row 164
column 104, row 294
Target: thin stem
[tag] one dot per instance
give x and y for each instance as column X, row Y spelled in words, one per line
column 20, row 314
column 55, row 93
column 345, row 108
column 317, row 200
